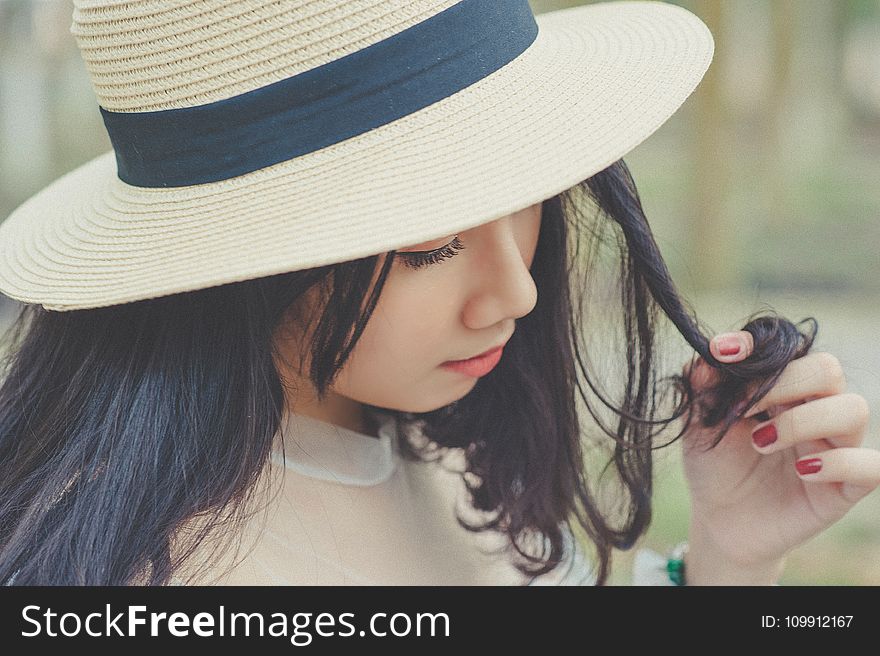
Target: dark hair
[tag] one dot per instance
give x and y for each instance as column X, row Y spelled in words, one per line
column 149, row 414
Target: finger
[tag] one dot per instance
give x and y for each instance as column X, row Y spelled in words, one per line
column 841, row 419
column 814, row 375
column 858, row 470
column 732, row 347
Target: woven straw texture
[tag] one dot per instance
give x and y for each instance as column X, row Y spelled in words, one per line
column 147, row 55
column 598, row 80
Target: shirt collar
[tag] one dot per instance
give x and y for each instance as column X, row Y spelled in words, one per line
column 328, row 452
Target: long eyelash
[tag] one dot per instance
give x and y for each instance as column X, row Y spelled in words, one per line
column 418, row 259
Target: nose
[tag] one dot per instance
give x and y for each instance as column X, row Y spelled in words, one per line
column 503, row 287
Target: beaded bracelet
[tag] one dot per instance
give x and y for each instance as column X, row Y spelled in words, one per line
column 675, row 564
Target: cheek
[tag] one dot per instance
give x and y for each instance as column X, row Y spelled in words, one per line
column 395, row 365
column 401, row 341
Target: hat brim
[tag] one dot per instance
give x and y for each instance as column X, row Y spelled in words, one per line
column 598, row 80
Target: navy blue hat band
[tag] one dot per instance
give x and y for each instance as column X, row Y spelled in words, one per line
column 325, row 105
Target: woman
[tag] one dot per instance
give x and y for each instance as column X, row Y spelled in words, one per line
column 245, row 325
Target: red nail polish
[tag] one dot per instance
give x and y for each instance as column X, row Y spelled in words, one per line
column 808, row 466
column 765, row 435
column 728, row 346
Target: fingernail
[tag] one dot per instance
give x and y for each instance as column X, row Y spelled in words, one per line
column 764, row 435
column 728, row 344
column 809, row 465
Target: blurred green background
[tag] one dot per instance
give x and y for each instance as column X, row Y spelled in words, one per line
column 763, row 190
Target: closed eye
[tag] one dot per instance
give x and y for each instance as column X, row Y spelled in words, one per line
column 418, row 259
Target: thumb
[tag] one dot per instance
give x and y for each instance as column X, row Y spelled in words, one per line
column 732, row 347
column 725, row 347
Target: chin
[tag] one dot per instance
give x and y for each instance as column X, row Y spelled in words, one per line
column 436, row 402
column 452, row 398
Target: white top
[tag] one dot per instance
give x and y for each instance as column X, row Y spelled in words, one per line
column 351, row 511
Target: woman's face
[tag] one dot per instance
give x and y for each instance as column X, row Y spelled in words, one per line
column 452, row 309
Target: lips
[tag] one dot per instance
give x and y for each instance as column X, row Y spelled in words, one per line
column 491, row 351
column 482, row 355
column 476, row 366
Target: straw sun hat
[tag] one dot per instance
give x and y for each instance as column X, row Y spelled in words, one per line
column 255, row 137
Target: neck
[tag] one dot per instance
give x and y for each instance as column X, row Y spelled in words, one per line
column 337, row 410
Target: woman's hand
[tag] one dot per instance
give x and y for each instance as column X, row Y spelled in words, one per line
column 752, row 500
